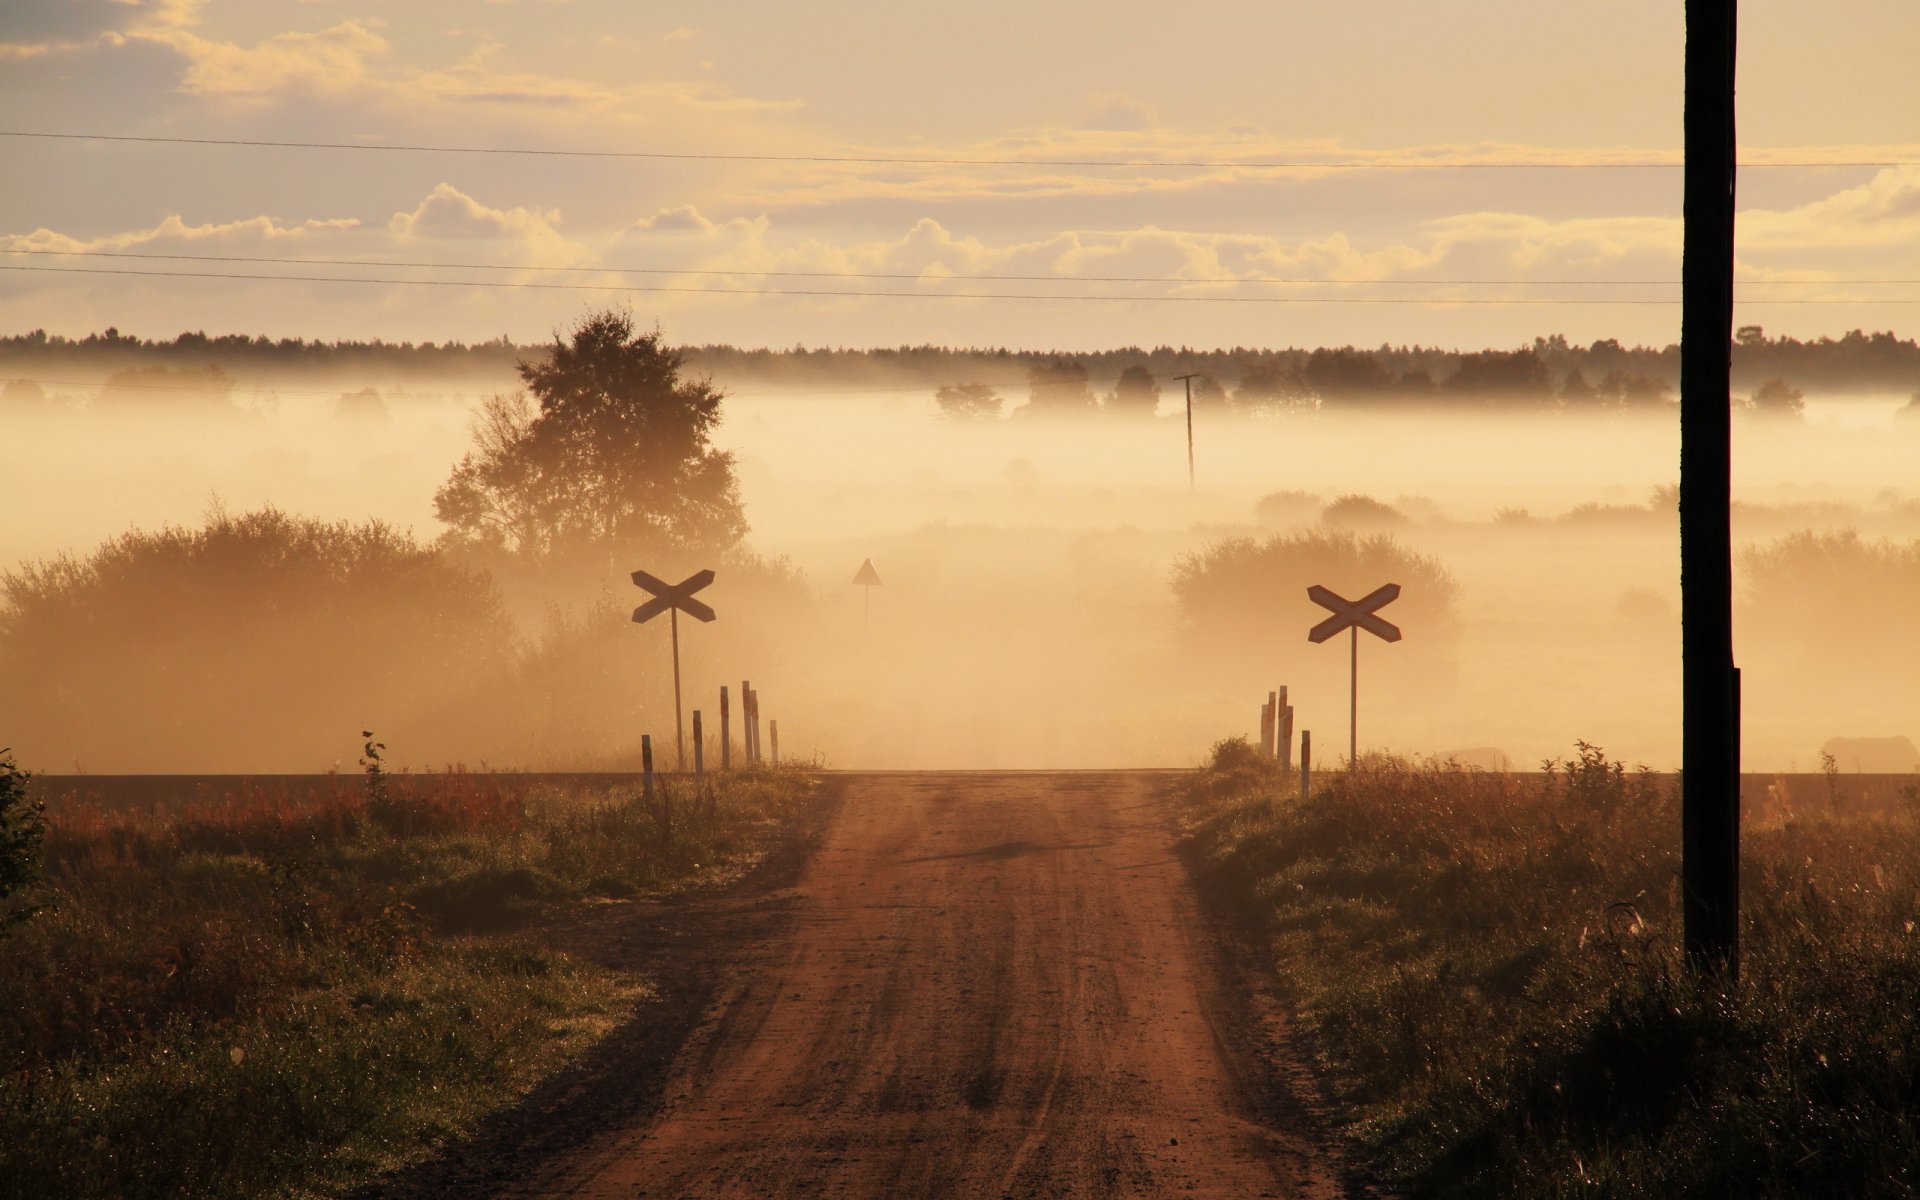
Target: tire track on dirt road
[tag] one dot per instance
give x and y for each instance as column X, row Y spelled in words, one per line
column 992, row 985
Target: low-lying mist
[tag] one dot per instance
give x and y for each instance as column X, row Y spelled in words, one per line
column 1028, row 614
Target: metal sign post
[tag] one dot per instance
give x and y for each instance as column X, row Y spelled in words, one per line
column 866, row 579
column 674, row 599
column 1354, row 615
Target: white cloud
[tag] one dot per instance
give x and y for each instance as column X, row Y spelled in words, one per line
column 447, row 213
column 332, row 61
column 175, row 233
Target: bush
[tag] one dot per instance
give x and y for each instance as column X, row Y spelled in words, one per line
column 241, row 645
column 23, row 829
column 1233, row 592
column 1491, row 965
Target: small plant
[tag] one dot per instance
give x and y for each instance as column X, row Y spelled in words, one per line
column 388, row 811
column 376, row 775
column 1830, row 768
column 23, row 829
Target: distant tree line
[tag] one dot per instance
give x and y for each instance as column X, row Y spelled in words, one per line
column 1551, row 371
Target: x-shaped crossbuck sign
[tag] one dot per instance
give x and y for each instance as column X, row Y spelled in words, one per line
column 673, row 595
column 1349, row 613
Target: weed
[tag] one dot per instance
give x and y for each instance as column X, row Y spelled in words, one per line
column 1491, row 964
column 296, row 974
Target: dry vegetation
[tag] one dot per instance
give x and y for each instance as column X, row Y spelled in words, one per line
column 261, row 997
column 1488, row 966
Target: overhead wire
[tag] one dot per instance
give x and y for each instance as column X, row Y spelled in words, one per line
column 920, row 277
column 1345, row 164
column 1044, row 297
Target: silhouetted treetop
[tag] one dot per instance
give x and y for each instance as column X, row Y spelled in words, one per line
column 608, row 448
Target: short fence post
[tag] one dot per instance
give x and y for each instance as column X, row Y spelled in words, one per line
column 1306, row 762
column 773, row 735
column 1266, row 724
column 726, row 737
column 746, row 722
column 1286, row 732
column 646, row 766
column 699, row 750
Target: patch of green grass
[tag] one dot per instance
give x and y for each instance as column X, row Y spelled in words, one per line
column 1489, row 965
column 250, row 999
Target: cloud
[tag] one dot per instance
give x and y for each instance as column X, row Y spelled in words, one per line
column 1882, row 212
column 449, row 214
column 332, row 60
column 175, row 232
column 46, row 28
column 1113, row 112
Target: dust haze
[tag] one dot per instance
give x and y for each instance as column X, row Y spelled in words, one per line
column 1028, row 614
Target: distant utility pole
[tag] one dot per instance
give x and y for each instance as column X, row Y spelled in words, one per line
column 1710, row 755
column 1188, row 380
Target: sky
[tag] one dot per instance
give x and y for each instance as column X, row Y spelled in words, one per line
column 1521, row 91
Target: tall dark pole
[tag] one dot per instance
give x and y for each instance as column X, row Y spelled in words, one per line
column 1710, row 815
column 1188, row 380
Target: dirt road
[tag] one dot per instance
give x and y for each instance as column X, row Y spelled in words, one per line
column 990, row 985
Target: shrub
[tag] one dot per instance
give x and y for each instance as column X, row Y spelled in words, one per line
column 1237, row 589
column 241, row 644
column 23, row 829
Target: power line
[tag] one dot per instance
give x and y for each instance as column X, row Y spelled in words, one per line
column 1082, row 297
column 1350, row 164
column 730, row 272
column 903, row 275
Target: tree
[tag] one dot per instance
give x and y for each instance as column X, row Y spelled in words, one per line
column 968, row 402
column 1576, row 392
column 1778, row 399
column 1345, row 375
column 611, row 450
column 1058, row 387
column 1136, row 393
column 1271, row 384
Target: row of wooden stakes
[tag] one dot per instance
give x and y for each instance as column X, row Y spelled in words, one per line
column 1276, row 736
column 749, row 732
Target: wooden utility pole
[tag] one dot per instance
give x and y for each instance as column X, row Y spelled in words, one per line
column 1710, row 756
column 1188, row 380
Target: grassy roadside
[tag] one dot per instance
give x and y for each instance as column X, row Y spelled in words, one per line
column 257, row 998
column 1488, row 967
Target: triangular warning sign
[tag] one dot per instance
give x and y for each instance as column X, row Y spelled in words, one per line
column 867, row 576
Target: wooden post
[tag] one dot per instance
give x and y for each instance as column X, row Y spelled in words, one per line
column 1286, row 732
column 1266, row 723
column 773, row 736
column 699, row 750
column 1306, row 762
column 1710, row 684
column 746, row 722
column 726, row 734
column 646, row 766
column 679, row 729
column 753, row 724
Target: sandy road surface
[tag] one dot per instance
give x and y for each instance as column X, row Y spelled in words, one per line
column 991, row 985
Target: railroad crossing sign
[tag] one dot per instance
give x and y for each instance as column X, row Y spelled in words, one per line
column 674, row 599
column 1354, row 615
column 668, row 596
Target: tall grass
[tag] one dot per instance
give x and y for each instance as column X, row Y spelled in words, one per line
column 1489, row 965
column 255, row 996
